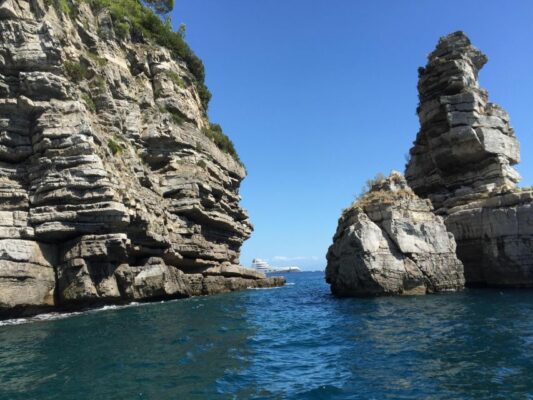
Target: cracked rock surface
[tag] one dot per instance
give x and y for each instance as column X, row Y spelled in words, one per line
column 390, row 242
column 463, row 160
column 109, row 189
column 465, row 143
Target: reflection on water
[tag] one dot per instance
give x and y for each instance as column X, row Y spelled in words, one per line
column 297, row 342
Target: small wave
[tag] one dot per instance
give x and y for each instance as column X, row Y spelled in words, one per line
column 62, row 315
column 290, row 284
column 109, row 307
column 16, row 321
column 37, row 318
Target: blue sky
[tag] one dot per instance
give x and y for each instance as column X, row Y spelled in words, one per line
column 320, row 95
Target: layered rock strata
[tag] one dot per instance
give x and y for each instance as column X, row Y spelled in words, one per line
column 109, row 189
column 462, row 160
column 390, row 242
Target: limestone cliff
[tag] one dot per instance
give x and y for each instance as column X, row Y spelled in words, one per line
column 465, row 143
column 390, row 242
column 111, row 187
column 462, row 160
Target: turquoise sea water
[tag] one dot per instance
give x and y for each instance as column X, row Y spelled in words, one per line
column 296, row 342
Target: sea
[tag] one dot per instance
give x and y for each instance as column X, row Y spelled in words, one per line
column 294, row 342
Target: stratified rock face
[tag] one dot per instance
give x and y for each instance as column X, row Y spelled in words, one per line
column 495, row 237
column 390, row 242
column 462, row 160
column 465, row 143
column 109, row 190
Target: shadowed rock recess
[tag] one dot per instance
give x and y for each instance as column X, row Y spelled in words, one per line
column 462, row 160
column 390, row 242
column 110, row 188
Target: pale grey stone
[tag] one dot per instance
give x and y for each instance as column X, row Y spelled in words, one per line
column 467, row 170
column 390, row 242
column 170, row 194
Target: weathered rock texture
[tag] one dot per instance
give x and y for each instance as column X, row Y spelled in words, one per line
column 462, row 160
column 390, row 242
column 109, row 190
column 465, row 143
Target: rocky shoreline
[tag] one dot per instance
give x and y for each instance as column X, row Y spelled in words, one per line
column 461, row 163
column 390, row 242
column 112, row 188
column 116, row 187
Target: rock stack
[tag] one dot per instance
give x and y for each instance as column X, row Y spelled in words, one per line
column 465, row 143
column 462, row 160
column 110, row 188
column 390, row 242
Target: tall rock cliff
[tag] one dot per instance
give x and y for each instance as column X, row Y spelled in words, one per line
column 462, row 160
column 390, row 242
column 111, row 185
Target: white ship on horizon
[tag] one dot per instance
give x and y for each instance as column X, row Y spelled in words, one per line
column 263, row 266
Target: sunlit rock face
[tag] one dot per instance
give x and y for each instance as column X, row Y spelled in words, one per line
column 389, row 242
column 465, row 143
column 462, row 160
column 109, row 189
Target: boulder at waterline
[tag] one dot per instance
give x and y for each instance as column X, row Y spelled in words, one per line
column 390, row 242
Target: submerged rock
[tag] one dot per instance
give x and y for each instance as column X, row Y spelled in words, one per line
column 462, row 160
column 390, row 242
column 111, row 188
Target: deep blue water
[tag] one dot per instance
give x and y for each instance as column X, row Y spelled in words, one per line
column 296, row 342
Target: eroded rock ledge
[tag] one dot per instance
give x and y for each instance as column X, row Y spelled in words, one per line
column 110, row 190
column 462, row 160
column 390, row 242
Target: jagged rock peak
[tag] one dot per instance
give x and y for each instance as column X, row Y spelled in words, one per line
column 465, row 143
column 390, row 242
column 456, row 59
column 462, row 160
column 457, row 45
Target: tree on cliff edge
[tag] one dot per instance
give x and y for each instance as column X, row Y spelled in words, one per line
column 161, row 6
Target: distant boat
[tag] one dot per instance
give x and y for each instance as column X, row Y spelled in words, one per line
column 263, row 266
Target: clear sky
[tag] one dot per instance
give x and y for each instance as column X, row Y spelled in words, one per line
column 320, row 95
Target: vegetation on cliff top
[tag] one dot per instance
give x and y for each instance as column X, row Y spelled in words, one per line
column 137, row 17
column 133, row 16
column 223, row 142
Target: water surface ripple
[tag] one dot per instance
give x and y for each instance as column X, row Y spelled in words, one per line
column 296, row 342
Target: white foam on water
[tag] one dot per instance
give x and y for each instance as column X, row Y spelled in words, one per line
column 37, row 318
column 62, row 315
column 16, row 321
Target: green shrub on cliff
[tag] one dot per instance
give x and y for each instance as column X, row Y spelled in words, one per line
column 75, row 70
column 122, row 29
column 100, row 61
column 114, row 146
column 223, row 142
column 64, row 7
column 174, row 77
column 161, row 6
column 89, row 102
column 175, row 115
